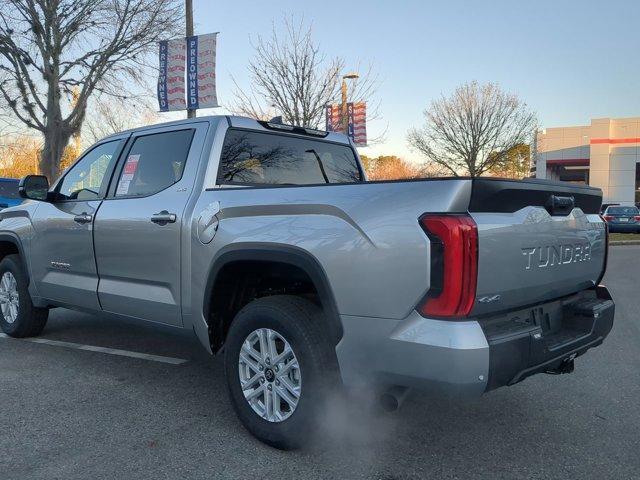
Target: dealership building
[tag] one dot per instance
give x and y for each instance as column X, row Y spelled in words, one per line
column 605, row 154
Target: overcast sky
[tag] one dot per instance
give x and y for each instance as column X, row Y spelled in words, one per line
column 570, row 61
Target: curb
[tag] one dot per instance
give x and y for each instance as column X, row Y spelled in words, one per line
column 624, row 242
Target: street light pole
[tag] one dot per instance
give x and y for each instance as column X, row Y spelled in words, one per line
column 189, row 14
column 343, row 107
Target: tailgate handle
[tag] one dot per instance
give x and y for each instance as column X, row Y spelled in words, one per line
column 557, row 205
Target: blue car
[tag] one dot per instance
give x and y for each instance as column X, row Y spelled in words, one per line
column 9, row 192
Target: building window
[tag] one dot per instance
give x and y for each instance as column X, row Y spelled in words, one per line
column 573, row 174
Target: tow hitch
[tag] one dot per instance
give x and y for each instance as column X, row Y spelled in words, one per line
column 567, row 366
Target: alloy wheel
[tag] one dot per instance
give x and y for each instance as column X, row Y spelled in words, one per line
column 270, row 375
column 9, row 297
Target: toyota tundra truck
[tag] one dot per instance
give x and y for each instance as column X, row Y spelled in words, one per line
column 269, row 244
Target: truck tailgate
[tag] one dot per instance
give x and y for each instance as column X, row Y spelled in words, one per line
column 537, row 241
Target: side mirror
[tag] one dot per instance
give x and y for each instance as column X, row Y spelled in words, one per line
column 35, row 187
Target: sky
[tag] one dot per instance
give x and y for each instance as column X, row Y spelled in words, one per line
column 570, row 61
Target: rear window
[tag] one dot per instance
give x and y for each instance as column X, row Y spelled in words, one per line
column 9, row 189
column 271, row 159
column 622, row 210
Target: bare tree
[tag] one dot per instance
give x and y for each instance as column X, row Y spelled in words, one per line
column 292, row 77
column 111, row 115
column 473, row 130
column 49, row 47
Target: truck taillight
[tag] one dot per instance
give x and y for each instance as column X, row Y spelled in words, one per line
column 454, row 265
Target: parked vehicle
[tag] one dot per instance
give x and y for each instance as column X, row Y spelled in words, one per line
column 9, row 192
column 623, row 219
column 605, row 206
column 269, row 244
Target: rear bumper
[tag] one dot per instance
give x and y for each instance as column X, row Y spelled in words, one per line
column 624, row 227
column 468, row 358
column 434, row 355
column 561, row 332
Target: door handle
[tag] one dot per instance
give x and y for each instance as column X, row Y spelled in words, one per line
column 164, row 217
column 84, row 217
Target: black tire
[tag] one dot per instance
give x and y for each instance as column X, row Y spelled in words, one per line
column 300, row 322
column 30, row 320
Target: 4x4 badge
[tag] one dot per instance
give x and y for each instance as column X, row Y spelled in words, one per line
column 489, row 298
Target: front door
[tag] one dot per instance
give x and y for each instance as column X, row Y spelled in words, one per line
column 63, row 262
column 138, row 227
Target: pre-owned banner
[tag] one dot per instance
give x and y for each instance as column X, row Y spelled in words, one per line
column 171, row 86
column 195, row 58
column 201, row 71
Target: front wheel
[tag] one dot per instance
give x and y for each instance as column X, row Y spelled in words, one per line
column 281, row 369
column 18, row 317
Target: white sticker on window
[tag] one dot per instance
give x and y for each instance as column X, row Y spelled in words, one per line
column 130, row 167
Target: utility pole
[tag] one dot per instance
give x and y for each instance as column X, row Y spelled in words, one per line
column 189, row 14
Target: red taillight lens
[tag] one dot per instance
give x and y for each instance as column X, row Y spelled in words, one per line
column 637, row 218
column 454, row 238
column 608, row 218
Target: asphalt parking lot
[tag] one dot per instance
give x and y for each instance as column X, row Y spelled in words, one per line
column 68, row 413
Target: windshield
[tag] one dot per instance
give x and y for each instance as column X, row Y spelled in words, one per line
column 622, row 211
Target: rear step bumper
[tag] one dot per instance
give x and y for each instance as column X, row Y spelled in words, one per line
column 469, row 357
column 549, row 339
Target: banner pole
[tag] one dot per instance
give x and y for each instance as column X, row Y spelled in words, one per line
column 189, row 14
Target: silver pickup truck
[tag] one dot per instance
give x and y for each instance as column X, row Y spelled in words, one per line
column 269, row 244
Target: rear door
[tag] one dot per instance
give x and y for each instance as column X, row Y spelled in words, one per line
column 537, row 241
column 137, row 230
column 62, row 255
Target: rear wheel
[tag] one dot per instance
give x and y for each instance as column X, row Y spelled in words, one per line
column 18, row 317
column 281, row 368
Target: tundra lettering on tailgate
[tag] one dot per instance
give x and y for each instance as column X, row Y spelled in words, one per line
column 556, row 255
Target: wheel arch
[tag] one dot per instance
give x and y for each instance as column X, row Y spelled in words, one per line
column 285, row 255
column 11, row 244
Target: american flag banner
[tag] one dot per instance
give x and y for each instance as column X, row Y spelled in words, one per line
column 332, row 113
column 201, row 71
column 171, row 85
column 358, row 123
column 356, row 128
column 187, row 73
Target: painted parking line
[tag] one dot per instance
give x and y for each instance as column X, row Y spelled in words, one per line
column 108, row 351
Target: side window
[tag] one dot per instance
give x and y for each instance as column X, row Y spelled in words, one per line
column 85, row 178
column 263, row 158
column 154, row 163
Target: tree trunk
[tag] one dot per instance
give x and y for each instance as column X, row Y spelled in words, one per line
column 56, row 133
column 55, row 141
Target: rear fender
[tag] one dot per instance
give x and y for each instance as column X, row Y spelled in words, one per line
column 280, row 254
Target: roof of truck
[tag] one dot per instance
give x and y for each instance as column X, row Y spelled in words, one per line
column 234, row 121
